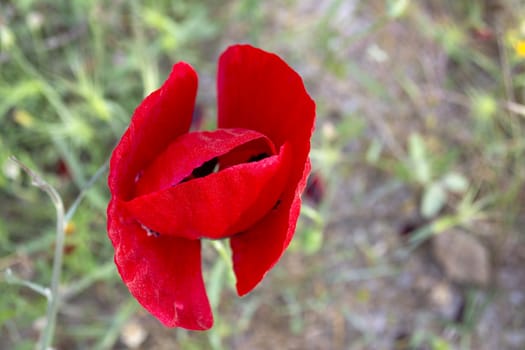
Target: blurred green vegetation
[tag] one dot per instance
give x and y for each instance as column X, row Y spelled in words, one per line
column 72, row 72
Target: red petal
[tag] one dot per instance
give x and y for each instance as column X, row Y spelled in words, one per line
column 159, row 119
column 190, row 151
column 259, row 91
column 257, row 250
column 162, row 273
column 218, row 205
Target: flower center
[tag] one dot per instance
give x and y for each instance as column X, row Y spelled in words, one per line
column 199, row 154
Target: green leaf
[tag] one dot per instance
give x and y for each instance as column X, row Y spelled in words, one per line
column 419, row 160
column 312, row 241
column 438, row 343
column 397, row 8
column 455, row 182
column 434, row 198
column 373, row 153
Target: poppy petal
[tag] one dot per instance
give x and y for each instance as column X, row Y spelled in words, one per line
column 162, row 116
column 218, row 205
column 162, row 273
column 257, row 250
column 257, row 90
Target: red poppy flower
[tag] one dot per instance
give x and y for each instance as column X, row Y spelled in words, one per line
column 170, row 188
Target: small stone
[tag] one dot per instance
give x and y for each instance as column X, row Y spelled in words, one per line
column 328, row 130
column 39, row 324
column 463, row 258
column 133, row 334
column 445, row 299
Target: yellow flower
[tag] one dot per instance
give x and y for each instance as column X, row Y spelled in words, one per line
column 519, row 47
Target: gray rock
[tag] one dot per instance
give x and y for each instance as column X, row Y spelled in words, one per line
column 463, row 258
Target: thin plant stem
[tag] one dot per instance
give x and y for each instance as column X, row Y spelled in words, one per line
column 52, row 307
column 85, row 189
column 102, row 272
column 12, row 279
column 52, row 294
column 224, row 253
column 110, row 338
column 222, row 250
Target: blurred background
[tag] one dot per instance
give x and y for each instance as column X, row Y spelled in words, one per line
column 411, row 234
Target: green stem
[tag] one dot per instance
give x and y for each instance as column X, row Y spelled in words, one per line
column 110, row 338
column 52, row 307
column 223, row 252
column 85, row 189
column 12, row 279
column 102, row 272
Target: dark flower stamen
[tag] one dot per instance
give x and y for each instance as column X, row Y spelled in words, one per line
column 205, row 169
column 258, row 157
